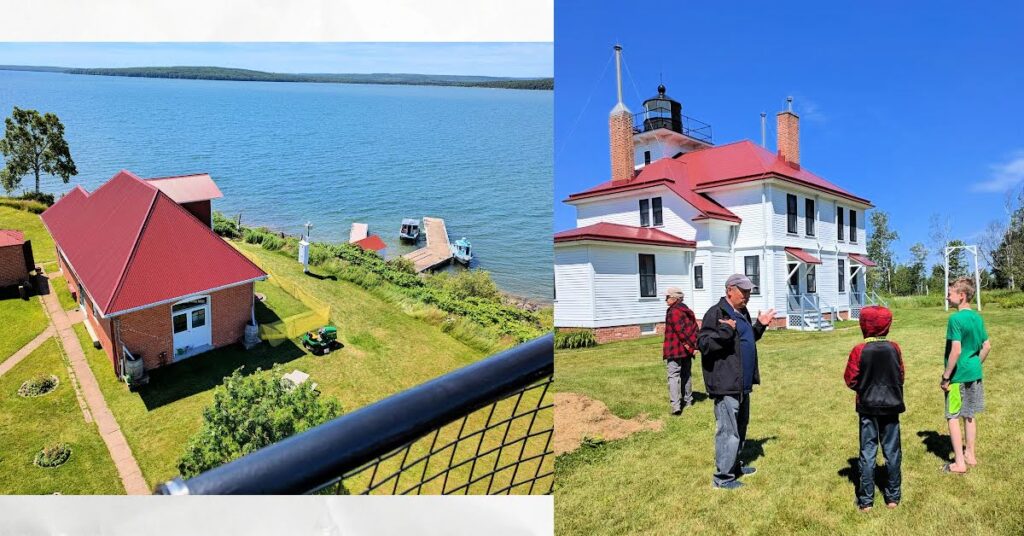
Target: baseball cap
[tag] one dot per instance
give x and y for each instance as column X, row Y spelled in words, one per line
column 739, row 280
column 674, row 292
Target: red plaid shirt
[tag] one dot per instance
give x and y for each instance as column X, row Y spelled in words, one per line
column 680, row 332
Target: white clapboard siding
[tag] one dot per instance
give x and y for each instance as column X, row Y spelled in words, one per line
column 677, row 214
column 617, row 298
column 574, row 284
column 746, row 203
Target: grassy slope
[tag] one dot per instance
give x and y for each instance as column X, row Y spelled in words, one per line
column 27, row 424
column 386, row 351
column 22, row 320
column 802, row 435
column 42, row 245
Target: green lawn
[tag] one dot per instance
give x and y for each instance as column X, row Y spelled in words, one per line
column 22, row 320
column 802, row 438
column 30, row 224
column 28, row 424
column 386, row 351
column 277, row 303
column 60, row 286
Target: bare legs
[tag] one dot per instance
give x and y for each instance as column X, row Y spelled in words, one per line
column 956, row 439
column 971, row 427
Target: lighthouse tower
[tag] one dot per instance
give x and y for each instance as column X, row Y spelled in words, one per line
column 663, row 131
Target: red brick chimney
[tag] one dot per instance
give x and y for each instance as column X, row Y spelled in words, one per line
column 620, row 130
column 788, row 142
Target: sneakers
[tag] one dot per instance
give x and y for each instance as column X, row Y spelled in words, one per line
column 746, row 470
column 677, row 412
column 732, row 484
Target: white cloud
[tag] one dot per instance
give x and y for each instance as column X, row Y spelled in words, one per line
column 1003, row 176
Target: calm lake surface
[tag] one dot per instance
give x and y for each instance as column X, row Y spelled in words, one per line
column 285, row 153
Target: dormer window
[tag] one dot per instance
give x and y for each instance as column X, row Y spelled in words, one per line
column 650, row 209
column 647, row 157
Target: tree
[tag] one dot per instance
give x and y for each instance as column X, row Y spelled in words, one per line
column 880, row 251
column 35, row 144
column 249, row 413
column 920, row 255
column 958, row 263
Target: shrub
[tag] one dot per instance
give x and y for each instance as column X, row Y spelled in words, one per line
column 249, row 413
column 34, row 207
column 39, row 197
column 576, row 338
column 467, row 283
column 53, row 455
column 225, row 226
column 272, row 242
column 38, row 386
column 402, row 264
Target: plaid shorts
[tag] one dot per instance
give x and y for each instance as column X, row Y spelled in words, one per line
column 972, row 400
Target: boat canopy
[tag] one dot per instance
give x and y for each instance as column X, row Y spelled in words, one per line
column 411, row 221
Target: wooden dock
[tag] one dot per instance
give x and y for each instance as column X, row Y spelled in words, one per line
column 437, row 252
column 358, row 232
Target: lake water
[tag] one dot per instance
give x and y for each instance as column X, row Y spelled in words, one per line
column 284, row 153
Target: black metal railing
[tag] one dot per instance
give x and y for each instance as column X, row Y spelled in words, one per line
column 483, row 429
column 647, row 121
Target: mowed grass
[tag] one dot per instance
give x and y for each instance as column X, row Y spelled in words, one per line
column 803, row 438
column 385, row 352
column 277, row 303
column 59, row 285
column 22, row 321
column 42, row 245
column 29, row 424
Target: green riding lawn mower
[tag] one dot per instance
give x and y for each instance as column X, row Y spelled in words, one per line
column 321, row 341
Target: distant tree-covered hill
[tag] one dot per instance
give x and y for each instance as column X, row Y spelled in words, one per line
column 248, row 75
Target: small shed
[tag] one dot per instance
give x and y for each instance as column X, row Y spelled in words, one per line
column 373, row 243
column 16, row 259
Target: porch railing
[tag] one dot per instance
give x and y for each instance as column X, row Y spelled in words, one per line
column 806, row 304
column 483, row 429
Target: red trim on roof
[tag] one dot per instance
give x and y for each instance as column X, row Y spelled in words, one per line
column 613, row 232
column 371, row 243
column 863, row 260
column 131, row 246
column 803, row 255
column 11, row 237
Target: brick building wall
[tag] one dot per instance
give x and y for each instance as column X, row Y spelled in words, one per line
column 12, row 266
column 231, row 311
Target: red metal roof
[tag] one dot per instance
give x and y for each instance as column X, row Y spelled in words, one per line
column 692, row 173
column 188, row 188
column 803, row 255
column 10, row 237
column 132, row 246
column 614, row 232
column 862, row 259
column 371, row 243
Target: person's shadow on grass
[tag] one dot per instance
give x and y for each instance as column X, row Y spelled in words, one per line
column 936, row 443
column 852, row 473
column 754, row 449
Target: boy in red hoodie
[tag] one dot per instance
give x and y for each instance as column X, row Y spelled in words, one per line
column 875, row 371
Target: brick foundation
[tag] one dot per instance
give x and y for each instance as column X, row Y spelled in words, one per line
column 632, row 331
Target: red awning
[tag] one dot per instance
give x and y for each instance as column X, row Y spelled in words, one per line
column 863, row 260
column 803, row 256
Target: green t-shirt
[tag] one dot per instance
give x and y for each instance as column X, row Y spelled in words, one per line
column 967, row 327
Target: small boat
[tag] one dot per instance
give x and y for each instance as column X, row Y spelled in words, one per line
column 462, row 250
column 410, row 230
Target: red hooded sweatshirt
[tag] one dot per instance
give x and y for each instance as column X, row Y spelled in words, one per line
column 875, row 367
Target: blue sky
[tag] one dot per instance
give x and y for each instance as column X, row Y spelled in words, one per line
column 488, row 59
column 916, row 107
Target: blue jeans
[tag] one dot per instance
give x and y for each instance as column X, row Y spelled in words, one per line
column 875, row 431
column 731, row 415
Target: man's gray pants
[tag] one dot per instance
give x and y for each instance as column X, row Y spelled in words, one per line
column 732, row 417
column 680, row 382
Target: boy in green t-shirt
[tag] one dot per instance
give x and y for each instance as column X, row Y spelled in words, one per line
column 967, row 346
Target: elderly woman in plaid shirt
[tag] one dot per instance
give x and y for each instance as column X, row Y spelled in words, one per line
column 679, row 349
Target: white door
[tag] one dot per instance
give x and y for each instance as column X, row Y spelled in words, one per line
column 190, row 321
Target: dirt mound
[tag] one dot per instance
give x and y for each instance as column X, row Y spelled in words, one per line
column 577, row 417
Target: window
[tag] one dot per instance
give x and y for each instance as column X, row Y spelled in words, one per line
column 645, row 217
column 854, row 284
column 811, row 286
column 648, row 329
column 648, row 283
column 752, row 269
column 647, row 157
column 180, row 323
column 698, row 277
column 189, row 304
column 853, row 226
column 842, row 275
column 809, row 216
column 839, row 221
column 198, row 318
column 791, row 213
column 656, row 209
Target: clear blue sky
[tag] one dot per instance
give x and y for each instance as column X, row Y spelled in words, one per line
column 486, row 59
column 917, row 107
